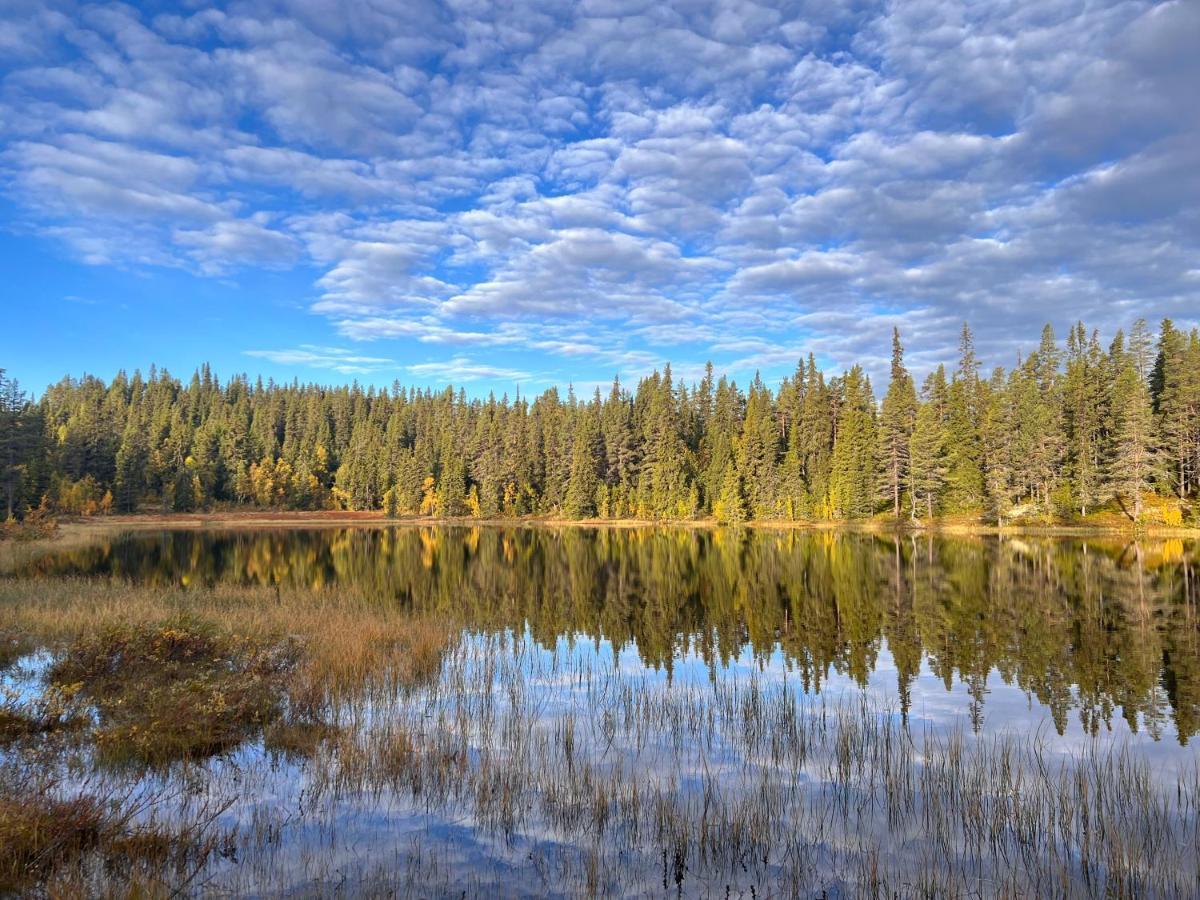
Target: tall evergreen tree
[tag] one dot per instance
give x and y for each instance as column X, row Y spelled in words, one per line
column 853, row 469
column 965, row 482
column 580, row 501
column 897, row 420
column 1132, row 462
column 928, row 462
column 19, row 440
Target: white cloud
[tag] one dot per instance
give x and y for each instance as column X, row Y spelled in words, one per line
column 333, row 358
column 463, row 369
column 613, row 179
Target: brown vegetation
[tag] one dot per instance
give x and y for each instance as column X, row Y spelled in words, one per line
column 50, row 835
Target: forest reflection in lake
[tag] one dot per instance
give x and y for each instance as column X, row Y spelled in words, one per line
column 1102, row 634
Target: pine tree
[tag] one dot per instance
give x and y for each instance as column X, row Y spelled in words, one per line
column 1175, row 391
column 580, row 501
column 1084, row 389
column 816, row 428
column 132, row 458
column 452, row 486
column 663, row 484
column 19, row 430
column 359, row 480
column 758, row 451
column 965, row 483
column 730, row 505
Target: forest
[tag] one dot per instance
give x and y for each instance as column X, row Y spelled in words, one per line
column 1068, row 433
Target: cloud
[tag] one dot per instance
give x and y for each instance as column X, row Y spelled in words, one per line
column 333, row 358
column 604, row 183
column 238, row 241
column 463, row 369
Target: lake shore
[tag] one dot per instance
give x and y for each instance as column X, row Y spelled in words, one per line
column 74, row 528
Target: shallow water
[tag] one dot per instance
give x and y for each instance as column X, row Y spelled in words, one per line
column 658, row 711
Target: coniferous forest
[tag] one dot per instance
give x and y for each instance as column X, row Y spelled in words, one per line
column 1070, row 431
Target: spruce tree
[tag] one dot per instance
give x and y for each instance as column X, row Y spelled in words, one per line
column 132, row 457
column 758, row 451
column 1132, row 461
column 896, row 422
column 964, row 480
column 580, row 500
column 928, row 463
column 1175, row 391
column 852, row 475
column 19, row 432
column 1084, row 390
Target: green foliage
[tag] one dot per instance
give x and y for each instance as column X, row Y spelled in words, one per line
column 730, row 507
column 897, row 419
column 927, row 449
column 20, row 443
column 853, row 471
column 1046, row 439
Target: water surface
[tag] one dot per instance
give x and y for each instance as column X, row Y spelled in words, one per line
column 691, row 712
column 1102, row 635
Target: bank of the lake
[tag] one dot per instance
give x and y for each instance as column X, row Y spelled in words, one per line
column 961, row 525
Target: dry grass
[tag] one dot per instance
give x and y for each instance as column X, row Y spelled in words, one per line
column 346, row 638
column 188, row 674
column 174, row 690
column 145, row 679
column 81, row 842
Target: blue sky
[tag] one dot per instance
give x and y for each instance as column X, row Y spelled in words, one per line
column 539, row 193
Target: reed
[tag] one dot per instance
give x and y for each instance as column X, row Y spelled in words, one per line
column 364, row 749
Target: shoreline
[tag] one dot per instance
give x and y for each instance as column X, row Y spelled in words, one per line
column 376, row 519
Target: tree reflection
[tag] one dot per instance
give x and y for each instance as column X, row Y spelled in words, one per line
column 1102, row 628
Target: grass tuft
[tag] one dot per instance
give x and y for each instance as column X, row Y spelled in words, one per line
column 175, row 690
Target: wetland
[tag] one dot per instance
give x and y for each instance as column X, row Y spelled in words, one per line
column 433, row 711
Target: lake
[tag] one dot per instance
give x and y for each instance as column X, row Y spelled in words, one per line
column 680, row 712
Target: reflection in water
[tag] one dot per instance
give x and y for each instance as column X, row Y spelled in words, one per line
column 1106, row 628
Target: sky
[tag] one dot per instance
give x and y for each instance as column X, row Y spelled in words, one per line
column 494, row 195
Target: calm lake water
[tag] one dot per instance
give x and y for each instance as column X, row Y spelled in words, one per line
column 1090, row 636
column 682, row 659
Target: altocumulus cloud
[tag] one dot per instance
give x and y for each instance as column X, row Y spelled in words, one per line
column 600, row 185
column 337, row 359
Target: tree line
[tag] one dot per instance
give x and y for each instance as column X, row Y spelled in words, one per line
column 1068, row 431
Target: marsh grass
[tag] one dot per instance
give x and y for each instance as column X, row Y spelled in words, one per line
column 531, row 768
column 86, row 840
column 179, row 689
column 141, row 682
column 54, row 711
column 751, row 786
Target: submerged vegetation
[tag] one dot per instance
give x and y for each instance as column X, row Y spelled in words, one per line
column 1081, row 433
